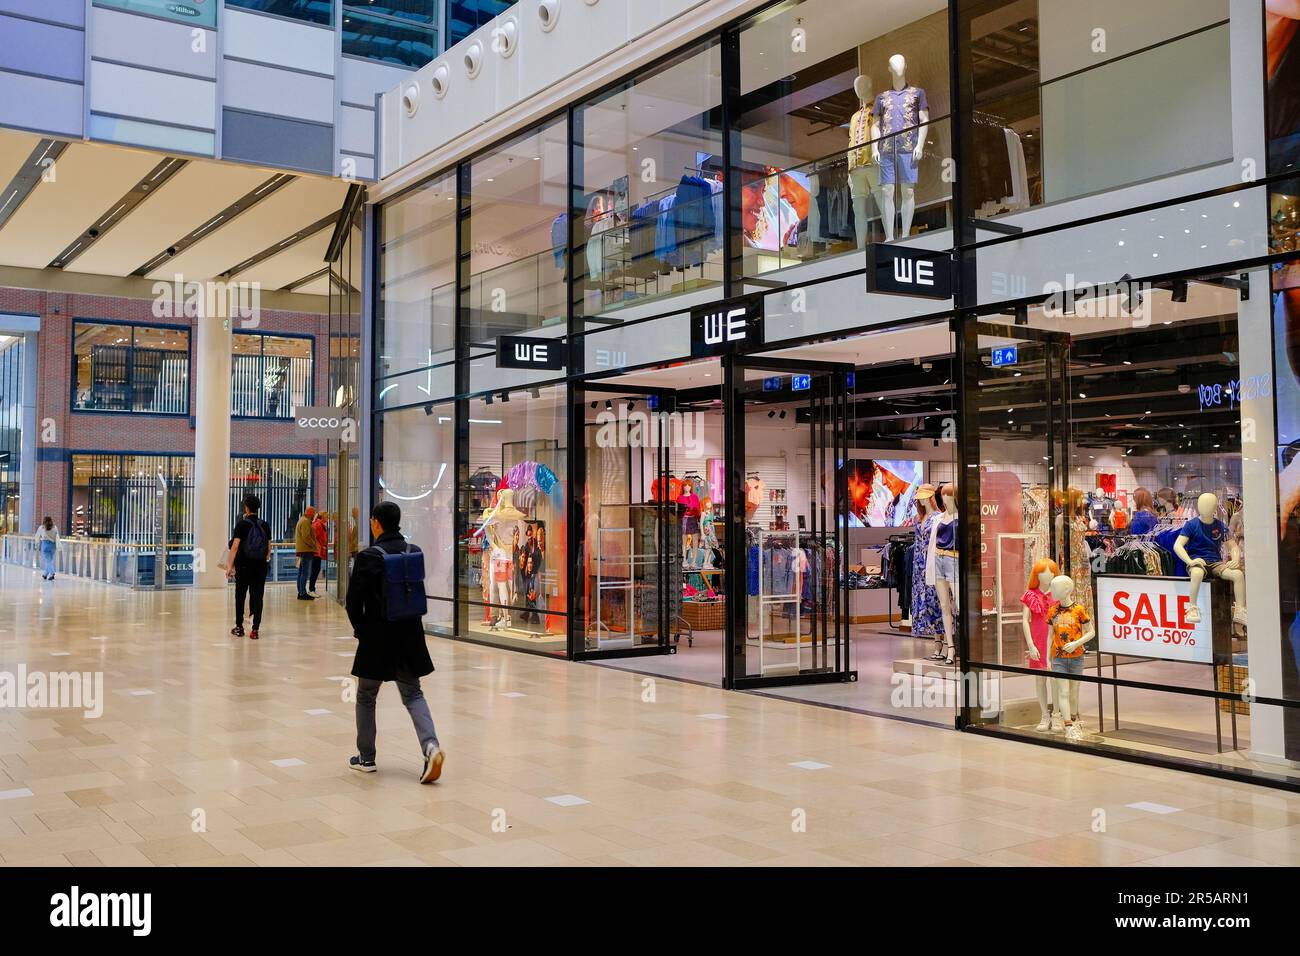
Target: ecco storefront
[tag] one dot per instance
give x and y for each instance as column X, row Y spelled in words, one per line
column 861, row 359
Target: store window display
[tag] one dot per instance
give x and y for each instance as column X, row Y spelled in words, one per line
column 844, row 121
column 513, row 499
column 941, row 568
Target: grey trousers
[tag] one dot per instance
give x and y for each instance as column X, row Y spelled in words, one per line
column 416, row 706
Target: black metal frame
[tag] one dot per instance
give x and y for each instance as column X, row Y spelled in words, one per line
column 828, row 402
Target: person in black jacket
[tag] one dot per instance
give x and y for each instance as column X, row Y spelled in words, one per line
column 387, row 650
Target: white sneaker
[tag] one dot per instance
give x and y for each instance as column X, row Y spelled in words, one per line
column 1239, row 615
column 1074, row 732
column 432, row 765
column 1044, row 724
column 1193, row 614
column 1057, row 723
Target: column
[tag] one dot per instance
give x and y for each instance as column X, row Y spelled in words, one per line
column 27, row 448
column 212, row 393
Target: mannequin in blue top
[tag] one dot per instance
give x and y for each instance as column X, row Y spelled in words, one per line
column 1200, row 546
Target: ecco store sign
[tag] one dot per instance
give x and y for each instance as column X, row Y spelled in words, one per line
column 894, row 270
column 325, row 421
column 726, row 326
column 521, row 351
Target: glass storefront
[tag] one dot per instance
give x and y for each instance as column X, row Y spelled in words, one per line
column 768, row 457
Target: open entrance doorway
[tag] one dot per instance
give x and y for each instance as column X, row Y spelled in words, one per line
column 652, row 567
column 898, row 452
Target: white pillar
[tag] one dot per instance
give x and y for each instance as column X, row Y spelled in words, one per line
column 1259, row 493
column 212, row 391
column 27, row 443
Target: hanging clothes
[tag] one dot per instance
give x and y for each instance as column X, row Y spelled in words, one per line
column 926, row 614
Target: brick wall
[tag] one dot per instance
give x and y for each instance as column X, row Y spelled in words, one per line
column 62, row 432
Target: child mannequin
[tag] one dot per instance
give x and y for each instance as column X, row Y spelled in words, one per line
column 1200, row 546
column 1071, row 629
column 1038, row 603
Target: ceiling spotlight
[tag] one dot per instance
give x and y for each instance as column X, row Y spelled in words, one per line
column 771, row 414
column 609, row 406
column 631, row 404
column 505, row 396
column 487, row 399
column 1179, row 290
column 783, row 413
column 428, row 409
column 536, row 393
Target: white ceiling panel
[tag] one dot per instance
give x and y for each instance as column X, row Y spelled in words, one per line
column 87, row 179
column 319, row 286
column 300, row 259
column 14, row 150
column 282, row 213
column 183, row 203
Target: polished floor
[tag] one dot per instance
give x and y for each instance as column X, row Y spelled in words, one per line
column 212, row 751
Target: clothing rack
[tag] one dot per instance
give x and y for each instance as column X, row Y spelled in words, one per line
column 899, row 539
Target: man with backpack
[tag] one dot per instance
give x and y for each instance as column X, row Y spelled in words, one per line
column 386, row 603
column 248, row 562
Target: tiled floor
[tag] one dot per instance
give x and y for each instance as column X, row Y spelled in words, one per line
column 229, row 761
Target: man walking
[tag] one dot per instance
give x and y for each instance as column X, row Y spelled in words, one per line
column 320, row 529
column 304, row 545
column 387, row 650
column 248, row 561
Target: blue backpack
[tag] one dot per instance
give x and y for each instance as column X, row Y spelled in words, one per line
column 402, row 594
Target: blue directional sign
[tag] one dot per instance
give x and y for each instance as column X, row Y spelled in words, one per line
column 800, row 383
column 1007, row 355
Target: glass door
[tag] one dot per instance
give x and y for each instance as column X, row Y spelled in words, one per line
column 630, row 565
column 789, row 486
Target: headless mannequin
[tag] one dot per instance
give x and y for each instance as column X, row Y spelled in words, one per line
column 1041, row 681
column 1067, row 691
column 501, row 528
column 906, row 191
column 1207, row 509
column 864, row 169
column 944, row 585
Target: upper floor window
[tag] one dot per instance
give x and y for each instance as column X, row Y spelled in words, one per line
column 131, row 368
column 270, row 374
column 312, row 11
column 466, row 16
column 395, row 31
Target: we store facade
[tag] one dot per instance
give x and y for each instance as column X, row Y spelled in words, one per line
column 867, row 360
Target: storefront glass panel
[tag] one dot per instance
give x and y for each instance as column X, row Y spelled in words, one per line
column 417, row 470
column 513, row 490
column 416, row 302
column 512, row 248
column 648, row 203
column 844, row 137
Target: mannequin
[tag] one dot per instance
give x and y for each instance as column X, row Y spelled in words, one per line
column 1037, row 600
column 864, row 169
column 501, row 526
column 1071, row 629
column 1200, row 547
column 1144, row 519
column 925, row 614
column 941, row 568
column 902, row 110
column 690, row 503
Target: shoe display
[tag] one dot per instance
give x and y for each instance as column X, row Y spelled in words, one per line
column 1074, row 732
column 1238, row 615
column 1193, row 613
column 1045, row 724
column 1057, row 723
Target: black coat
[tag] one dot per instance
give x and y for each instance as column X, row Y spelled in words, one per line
column 386, row 647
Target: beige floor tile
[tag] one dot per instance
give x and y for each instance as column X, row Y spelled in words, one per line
column 664, row 786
